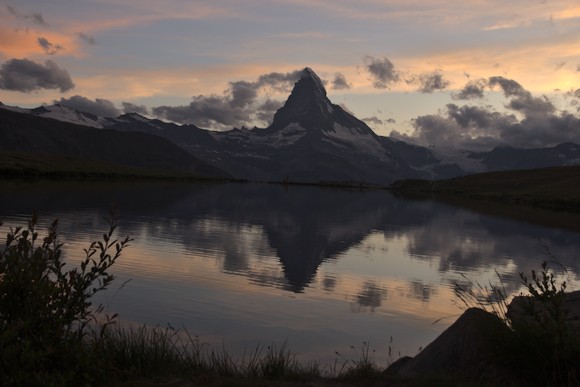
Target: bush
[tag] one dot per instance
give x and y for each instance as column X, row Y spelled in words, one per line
column 542, row 350
column 45, row 307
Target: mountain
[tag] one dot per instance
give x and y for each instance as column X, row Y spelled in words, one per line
column 311, row 140
column 30, row 134
column 509, row 158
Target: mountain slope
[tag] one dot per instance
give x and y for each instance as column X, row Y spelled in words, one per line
column 311, row 140
column 23, row 132
column 554, row 187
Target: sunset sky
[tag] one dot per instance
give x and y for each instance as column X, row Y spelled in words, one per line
column 473, row 73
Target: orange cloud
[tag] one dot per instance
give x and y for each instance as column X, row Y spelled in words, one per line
column 20, row 43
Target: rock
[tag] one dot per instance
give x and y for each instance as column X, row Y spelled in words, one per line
column 397, row 365
column 467, row 349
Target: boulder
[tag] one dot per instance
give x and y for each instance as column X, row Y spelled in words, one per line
column 467, row 349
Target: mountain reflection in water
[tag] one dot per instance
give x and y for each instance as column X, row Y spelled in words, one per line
column 322, row 267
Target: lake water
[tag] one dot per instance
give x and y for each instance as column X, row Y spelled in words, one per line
column 326, row 270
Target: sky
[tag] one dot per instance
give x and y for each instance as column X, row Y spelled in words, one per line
column 470, row 74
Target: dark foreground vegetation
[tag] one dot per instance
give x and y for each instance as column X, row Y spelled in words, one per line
column 556, row 188
column 51, row 334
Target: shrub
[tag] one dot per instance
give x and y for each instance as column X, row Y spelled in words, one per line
column 45, row 307
column 543, row 349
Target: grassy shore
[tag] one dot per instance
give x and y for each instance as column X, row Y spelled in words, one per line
column 23, row 165
column 556, row 188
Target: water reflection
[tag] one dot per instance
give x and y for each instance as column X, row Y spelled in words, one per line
column 301, row 226
column 329, row 264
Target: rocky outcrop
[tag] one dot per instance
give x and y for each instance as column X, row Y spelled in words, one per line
column 467, row 349
column 480, row 348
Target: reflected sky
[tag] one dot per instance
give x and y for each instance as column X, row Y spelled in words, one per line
column 325, row 269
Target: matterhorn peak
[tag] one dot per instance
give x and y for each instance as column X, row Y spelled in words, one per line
column 309, row 74
column 307, row 104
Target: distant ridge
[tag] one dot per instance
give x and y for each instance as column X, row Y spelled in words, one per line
column 21, row 132
column 553, row 188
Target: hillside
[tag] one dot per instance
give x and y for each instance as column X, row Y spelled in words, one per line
column 36, row 141
column 553, row 188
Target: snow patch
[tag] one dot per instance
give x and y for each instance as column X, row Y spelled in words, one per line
column 14, row 109
column 66, row 114
column 363, row 141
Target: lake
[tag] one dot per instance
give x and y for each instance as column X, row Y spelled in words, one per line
column 327, row 270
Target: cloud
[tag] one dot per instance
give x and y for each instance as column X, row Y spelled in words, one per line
column 267, row 109
column 281, row 82
column 391, row 121
column 339, row 82
column 509, row 87
column 99, row 107
column 522, row 100
column 429, row 82
column 374, row 120
column 25, row 75
column 207, row 111
column 49, row 48
column 560, row 65
column 382, row 71
column 87, row 38
column 238, row 106
column 243, row 93
column 529, row 122
column 472, row 90
column 129, row 107
column 35, row 17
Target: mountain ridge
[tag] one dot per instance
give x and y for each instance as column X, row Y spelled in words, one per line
column 311, row 140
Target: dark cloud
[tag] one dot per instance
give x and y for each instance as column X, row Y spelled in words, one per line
column 339, row 82
column 529, row 122
column 99, row 107
column 374, row 120
column 391, row 121
column 35, row 17
column 509, row 87
column 382, row 71
column 87, row 38
column 49, row 48
column 281, row 82
column 522, row 100
column 243, row 93
column 267, row 109
column 472, row 90
column 238, row 106
column 429, row 82
column 207, row 111
column 578, row 67
column 129, row 107
column 26, row 76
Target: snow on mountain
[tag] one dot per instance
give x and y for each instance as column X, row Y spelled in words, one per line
column 66, row 114
column 342, row 135
column 14, row 108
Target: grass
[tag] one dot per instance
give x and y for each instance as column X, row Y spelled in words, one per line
column 26, row 165
column 164, row 353
column 556, row 188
